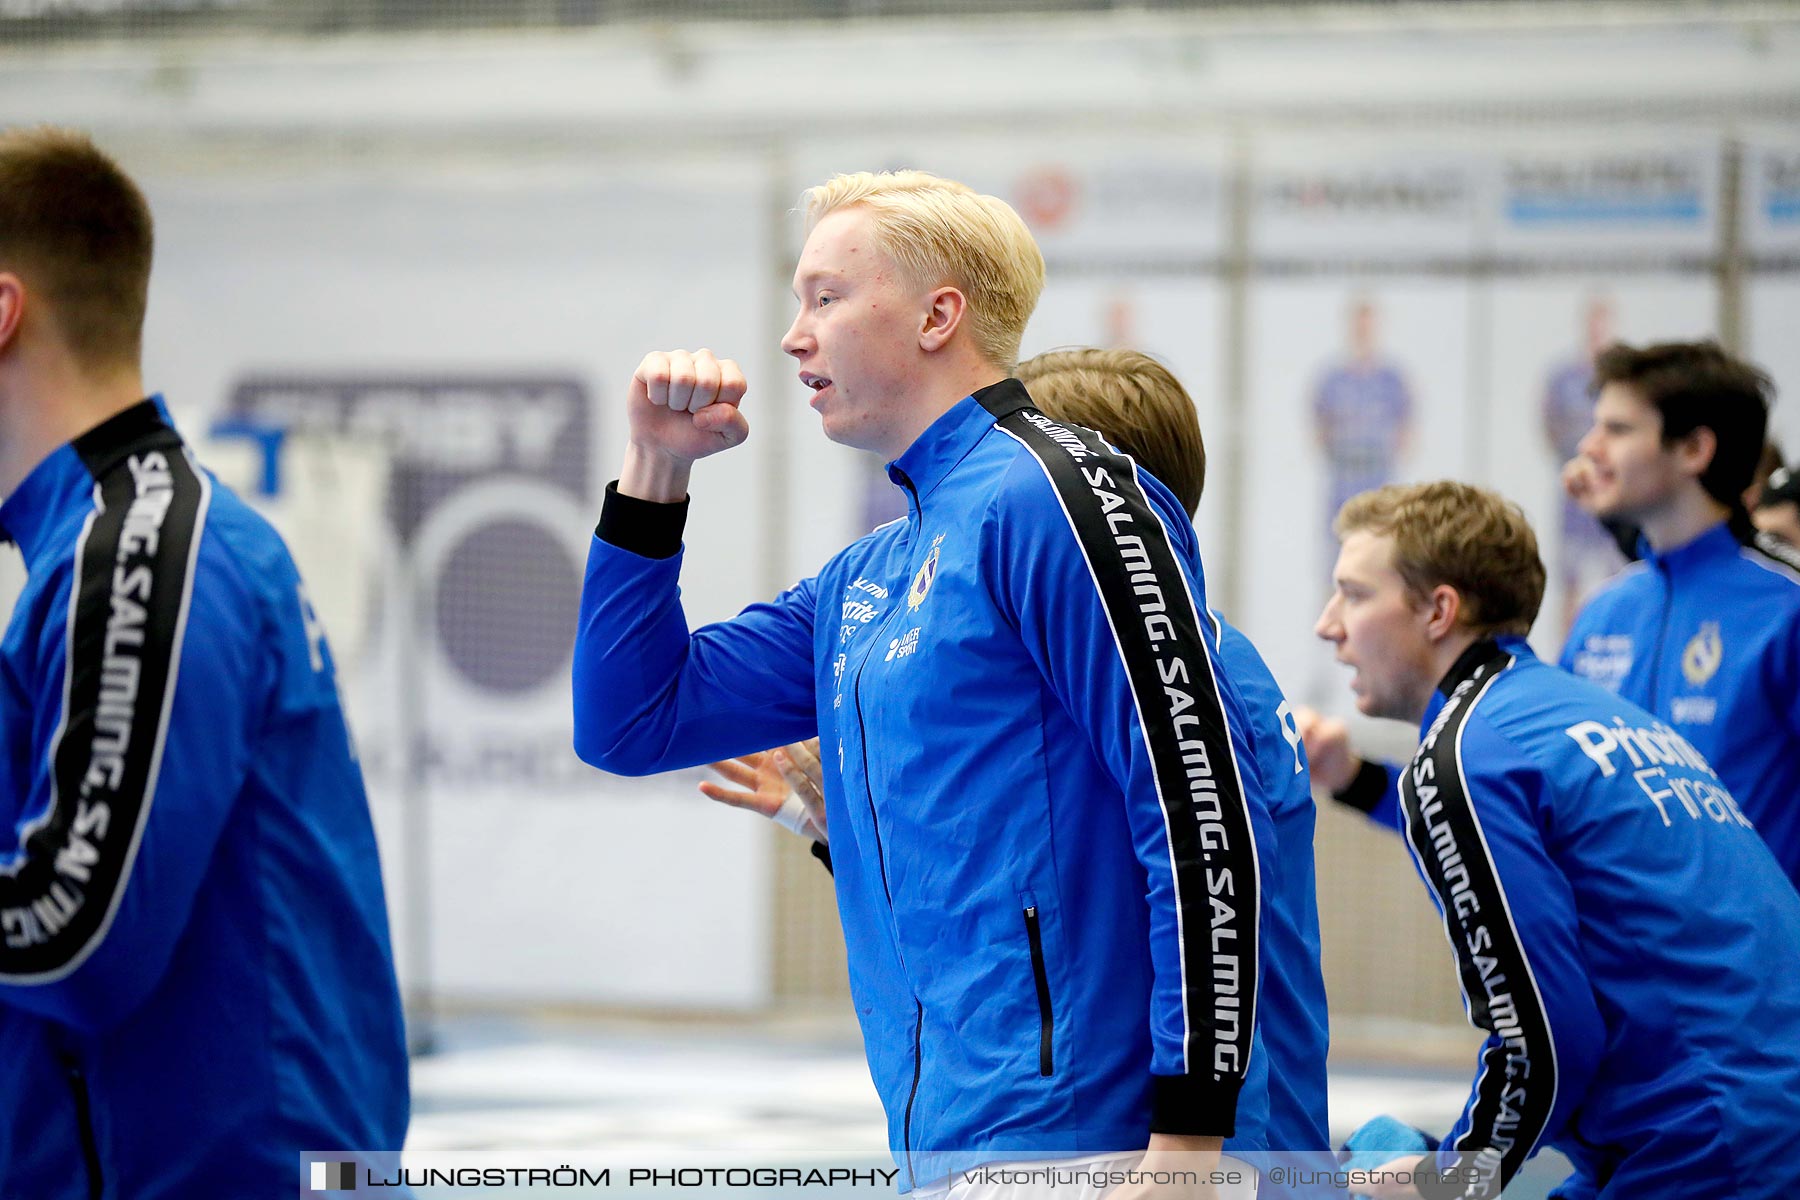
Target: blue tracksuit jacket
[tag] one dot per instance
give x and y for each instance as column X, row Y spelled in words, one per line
column 1037, row 784
column 1707, row 637
column 1622, row 935
column 195, row 979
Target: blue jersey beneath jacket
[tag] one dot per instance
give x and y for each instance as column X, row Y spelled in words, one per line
column 195, row 978
column 1291, row 1029
column 1622, row 934
column 1038, row 786
column 1707, row 637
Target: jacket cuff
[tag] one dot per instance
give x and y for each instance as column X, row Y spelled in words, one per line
column 1366, row 790
column 644, row 527
column 1194, row 1104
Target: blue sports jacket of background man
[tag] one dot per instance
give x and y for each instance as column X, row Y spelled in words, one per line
column 1707, row 637
column 195, row 979
column 1622, row 934
column 1035, row 783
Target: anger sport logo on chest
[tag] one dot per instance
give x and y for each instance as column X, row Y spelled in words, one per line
column 906, row 644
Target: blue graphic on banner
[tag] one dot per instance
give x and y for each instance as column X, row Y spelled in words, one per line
column 1783, row 209
column 1674, row 210
column 1612, row 189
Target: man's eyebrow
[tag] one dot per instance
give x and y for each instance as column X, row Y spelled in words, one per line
column 803, row 281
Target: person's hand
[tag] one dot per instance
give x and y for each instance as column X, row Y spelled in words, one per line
column 680, row 407
column 1328, row 754
column 1180, row 1156
column 1578, row 481
column 782, row 784
column 799, row 765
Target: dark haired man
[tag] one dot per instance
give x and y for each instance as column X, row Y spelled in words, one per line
column 1620, row 932
column 195, row 979
column 1705, row 630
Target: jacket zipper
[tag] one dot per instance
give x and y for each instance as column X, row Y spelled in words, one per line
column 1662, row 635
column 84, row 1118
column 1046, row 1060
column 881, row 850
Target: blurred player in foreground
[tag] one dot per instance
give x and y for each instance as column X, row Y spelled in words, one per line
column 195, row 978
column 1614, row 918
column 1021, row 664
column 1135, row 403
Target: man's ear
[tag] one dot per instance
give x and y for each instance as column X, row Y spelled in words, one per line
column 12, row 307
column 1444, row 608
column 946, row 311
column 1694, row 450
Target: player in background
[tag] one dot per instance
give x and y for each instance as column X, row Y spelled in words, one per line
column 1777, row 511
column 1705, row 631
column 1613, row 916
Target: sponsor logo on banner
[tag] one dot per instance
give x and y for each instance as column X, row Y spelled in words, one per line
column 1046, row 196
column 1368, row 192
column 1780, row 186
column 487, row 515
column 1607, row 187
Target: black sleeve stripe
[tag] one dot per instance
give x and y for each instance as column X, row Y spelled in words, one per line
column 1515, row 1092
column 128, row 609
column 1185, row 727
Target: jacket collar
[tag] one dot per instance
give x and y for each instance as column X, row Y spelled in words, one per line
column 948, row 440
column 1479, row 661
column 32, row 513
column 1720, row 541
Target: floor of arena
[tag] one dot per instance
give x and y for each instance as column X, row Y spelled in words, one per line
column 770, row 1087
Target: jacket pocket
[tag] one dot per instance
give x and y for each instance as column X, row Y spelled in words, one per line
column 1046, row 1054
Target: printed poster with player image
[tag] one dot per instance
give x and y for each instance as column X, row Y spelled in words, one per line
column 1358, row 366
column 481, row 324
column 1353, row 384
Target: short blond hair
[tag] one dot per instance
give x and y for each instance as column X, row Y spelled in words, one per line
column 1133, row 401
column 1475, row 540
column 944, row 232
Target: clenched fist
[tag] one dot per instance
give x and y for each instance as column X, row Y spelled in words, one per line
column 682, row 407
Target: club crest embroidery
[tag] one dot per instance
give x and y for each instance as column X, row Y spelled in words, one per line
column 1700, row 660
column 921, row 583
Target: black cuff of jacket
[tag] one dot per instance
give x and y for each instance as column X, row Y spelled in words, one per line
column 1196, row 1105
column 822, row 852
column 644, row 527
column 1366, row 790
